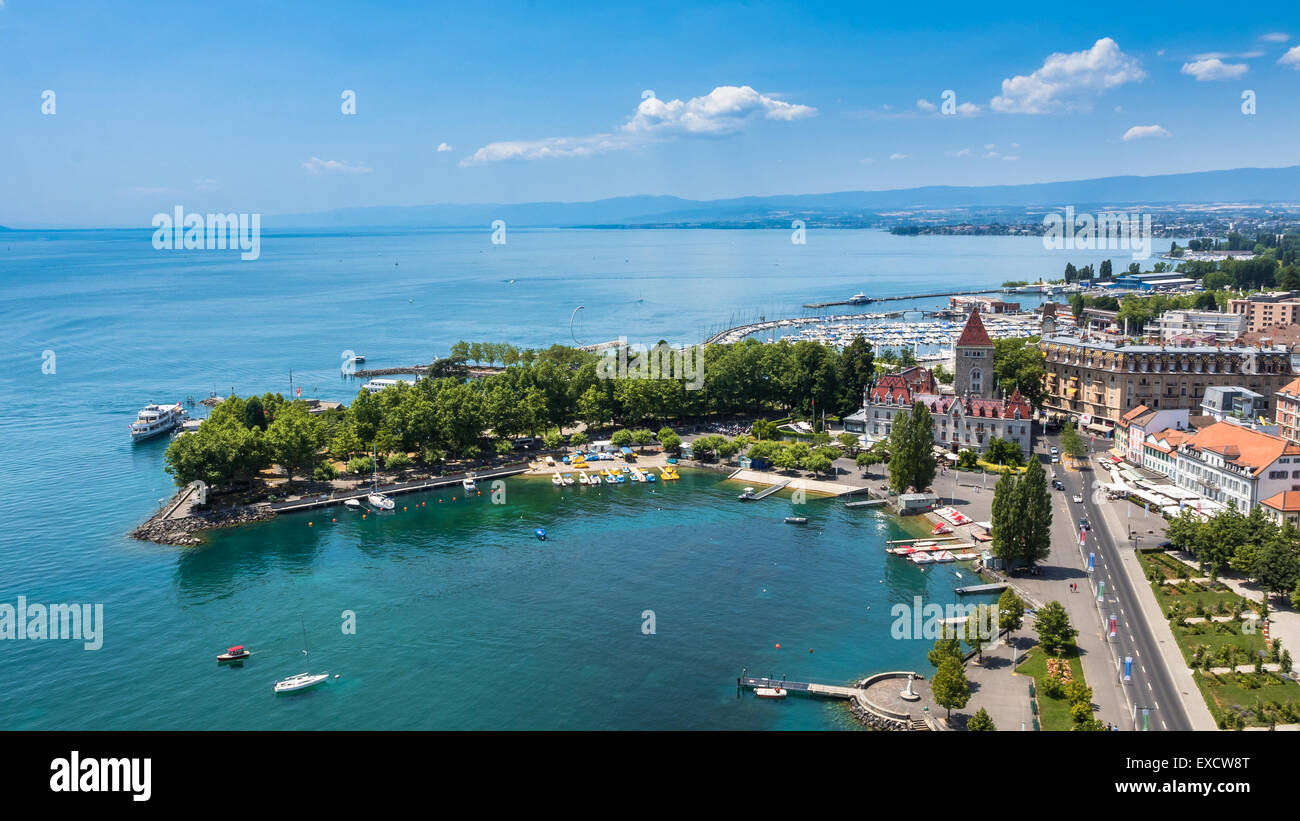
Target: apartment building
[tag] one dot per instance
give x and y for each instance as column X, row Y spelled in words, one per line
column 1237, row 466
column 1263, row 310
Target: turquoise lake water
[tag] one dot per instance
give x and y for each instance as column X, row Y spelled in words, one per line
column 464, row 620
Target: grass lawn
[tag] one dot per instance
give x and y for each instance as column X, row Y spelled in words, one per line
column 1054, row 713
column 1244, row 692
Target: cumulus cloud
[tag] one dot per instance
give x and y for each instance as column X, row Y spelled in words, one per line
column 1275, row 37
column 1142, row 132
column 926, row 105
column 1212, row 69
column 1068, row 81
column 318, row 166
column 724, row 110
column 1291, row 58
column 897, row 156
column 442, row 147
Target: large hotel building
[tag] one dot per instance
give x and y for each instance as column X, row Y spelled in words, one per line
column 1089, row 376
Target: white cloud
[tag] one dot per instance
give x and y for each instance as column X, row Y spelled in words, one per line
column 724, row 110
column 964, row 152
column 318, row 166
column 967, row 109
column 1275, row 37
column 926, row 105
column 1291, row 58
column 1141, row 132
column 897, row 156
column 207, row 184
column 443, row 147
column 1214, row 69
column 866, row 160
column 1067, row 81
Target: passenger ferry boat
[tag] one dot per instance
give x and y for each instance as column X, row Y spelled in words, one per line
column 155, row 419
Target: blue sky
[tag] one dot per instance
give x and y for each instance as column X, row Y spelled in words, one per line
column 236, row 106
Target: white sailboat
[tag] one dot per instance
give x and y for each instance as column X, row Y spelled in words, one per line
column 301, row 681
column 376, row 499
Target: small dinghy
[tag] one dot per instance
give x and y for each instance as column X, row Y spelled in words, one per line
column 769, row 692
column 355, row 504
column 796, row 520
column 236, row 653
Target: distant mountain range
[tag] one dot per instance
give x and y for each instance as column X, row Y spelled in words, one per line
column 1235, row 186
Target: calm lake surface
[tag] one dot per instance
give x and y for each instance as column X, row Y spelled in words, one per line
column 464, row 620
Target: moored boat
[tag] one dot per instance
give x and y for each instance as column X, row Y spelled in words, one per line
column 153, row 420
column 236, row 653
column 769, row 692
column 796, row 520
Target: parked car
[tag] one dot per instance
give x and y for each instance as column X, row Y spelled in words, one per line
column 1054, row 451
column 1057, row 484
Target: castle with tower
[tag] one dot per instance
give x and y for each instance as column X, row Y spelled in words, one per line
column 968, row 417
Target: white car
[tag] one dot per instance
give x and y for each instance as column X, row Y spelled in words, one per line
column 1054, row 451
column 1078, row 500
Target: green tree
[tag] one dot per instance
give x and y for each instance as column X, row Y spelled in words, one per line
column 1072, row 443
column 1011, row 611
column 945, row 647
column 1276, row 568
column 1055, row 632
column 980, row 722
column 1033, row 503
column 294, row 438
column 949, row 686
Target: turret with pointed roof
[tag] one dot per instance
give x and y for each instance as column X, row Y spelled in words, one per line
column 974, row 355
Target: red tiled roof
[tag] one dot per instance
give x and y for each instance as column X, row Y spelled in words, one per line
column 1133, row 414
column 1243, row 446
column 1287, row 501
column 974, row 333
column 1291, row 389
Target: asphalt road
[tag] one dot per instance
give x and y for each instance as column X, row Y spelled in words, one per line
column 1151, row 686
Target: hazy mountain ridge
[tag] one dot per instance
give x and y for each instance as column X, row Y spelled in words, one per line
column 1241, row 185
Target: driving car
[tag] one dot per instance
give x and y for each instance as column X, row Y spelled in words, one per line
column 1057, row 484
column 1083, row 524
column 1078, row 499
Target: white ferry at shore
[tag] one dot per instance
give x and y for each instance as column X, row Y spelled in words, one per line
column 153, row 420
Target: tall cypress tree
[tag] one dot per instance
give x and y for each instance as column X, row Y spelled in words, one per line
column 921, row 435
column 1006, row 521
column 1034, row 510
column 900, row 452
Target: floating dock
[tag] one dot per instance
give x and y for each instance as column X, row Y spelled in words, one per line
column 867, row 503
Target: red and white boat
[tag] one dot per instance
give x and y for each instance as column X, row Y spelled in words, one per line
column 941, row 528
column 769, row 692
column 236, row 653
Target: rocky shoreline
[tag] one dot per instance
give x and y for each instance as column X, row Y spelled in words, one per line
column 182, row 531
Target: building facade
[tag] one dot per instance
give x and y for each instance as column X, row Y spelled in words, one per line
column 1089, row 377
column 1286, row 411
column 1237, row 466
column 1263, row 310
column 1134, row 426
column 1220, row 327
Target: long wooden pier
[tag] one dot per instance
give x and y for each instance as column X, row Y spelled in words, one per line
column 867, row 503
column 391, row 490
column 902, row 297
column 809, row 688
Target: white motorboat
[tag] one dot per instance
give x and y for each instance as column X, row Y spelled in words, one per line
column 858, row 299
column 583, row 479
column 557, row 480
column 355, row 504
column 153, row 420
column 596, row 480
column 468, row 483
column 769, row 692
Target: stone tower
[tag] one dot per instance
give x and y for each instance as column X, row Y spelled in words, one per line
column 974, row 354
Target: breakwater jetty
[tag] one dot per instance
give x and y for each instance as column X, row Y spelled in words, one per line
column 896, row 700
column 181, row 520
column 869, row 300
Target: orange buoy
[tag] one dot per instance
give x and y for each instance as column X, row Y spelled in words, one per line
column 363, row 515
column 778, row 645
column 809, row 649
column 403, row 507
column 333, row 520
column 309, row 524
